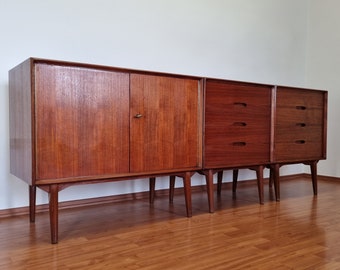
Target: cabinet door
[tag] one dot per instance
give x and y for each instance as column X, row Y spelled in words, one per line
column 82, row 122
column 300, row 125
column 237, row 124
column 165, row 123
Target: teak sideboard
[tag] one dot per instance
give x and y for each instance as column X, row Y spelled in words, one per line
column 74, row 123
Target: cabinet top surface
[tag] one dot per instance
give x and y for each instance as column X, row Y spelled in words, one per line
column 36, row 60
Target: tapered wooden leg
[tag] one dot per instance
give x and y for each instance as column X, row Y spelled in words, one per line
column 276, row 177
column 209, row 177
column 172, row 188
column 259, row 175
column 270, row 177
column 219, row 182
column 313, row 170
column 32, row 196
column 152, row 183
column 235, row 176
column 187, row 192
column 53, row 205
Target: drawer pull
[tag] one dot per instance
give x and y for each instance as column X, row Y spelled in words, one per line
column 301, row 124
column 138, row 115
column 239, row 143
column 240, row 124
column 242, row 104
column 301, row 108
column 300, row 141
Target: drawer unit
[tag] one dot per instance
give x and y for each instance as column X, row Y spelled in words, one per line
column 300, row 126
column 237, row 124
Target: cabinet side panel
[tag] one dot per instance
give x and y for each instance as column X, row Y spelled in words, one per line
column 167, row 135
column 81, row 121
column 20, row 121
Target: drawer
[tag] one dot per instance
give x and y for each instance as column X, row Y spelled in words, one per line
column 295, row 133
column 237, row 131
column 229, row 98
column 289, row 116
column 299, row 98
column 293, row 151
column 234, row 153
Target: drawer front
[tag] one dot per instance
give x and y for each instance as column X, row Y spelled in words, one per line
column 293, row 97
column 237, row 124
column 299, row 126
column 298, row 151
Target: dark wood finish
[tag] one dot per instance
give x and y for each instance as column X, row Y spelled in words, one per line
column 32, row 202
column 300, row 130
column 237, row 130
column 237, row 124
column 152, row 184
column 172, row 188
column 299, row 125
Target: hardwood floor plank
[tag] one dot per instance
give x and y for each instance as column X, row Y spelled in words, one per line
column 299, row 232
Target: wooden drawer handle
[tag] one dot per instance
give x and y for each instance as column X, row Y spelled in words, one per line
column 240, row 124
column 300, row 141
column 239, row 143
column 301, row 124
column 301, row 108
column 242, row 104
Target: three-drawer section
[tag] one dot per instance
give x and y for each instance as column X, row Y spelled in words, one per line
column 237, row 124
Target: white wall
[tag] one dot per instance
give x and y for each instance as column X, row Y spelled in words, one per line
column 323, row 71
column 261, row 41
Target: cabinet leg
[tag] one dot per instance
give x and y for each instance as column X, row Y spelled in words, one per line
column 187, row 192
column 219, row 182
column 209, row 177
column 276, row 177
column 152, row 183
column 259, row 175
column 270, row 177
column 32, row 196
column 172, row 188
column 53, row 205
column 313, row 170
column 235, row 176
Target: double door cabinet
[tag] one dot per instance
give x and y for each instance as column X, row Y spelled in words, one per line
column 73, row 123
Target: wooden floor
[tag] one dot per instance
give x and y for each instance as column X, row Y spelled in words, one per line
column 300, row 232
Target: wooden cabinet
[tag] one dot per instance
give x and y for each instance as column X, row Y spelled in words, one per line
column 299, row 130
column 76, row 123
column 73, row 123
column 237, row 124
column 300, row 125
column 237, row 130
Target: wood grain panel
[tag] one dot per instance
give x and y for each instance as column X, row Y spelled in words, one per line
column 20, row 120
column 167, row 134
column 82, row 123
column 299, row 124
